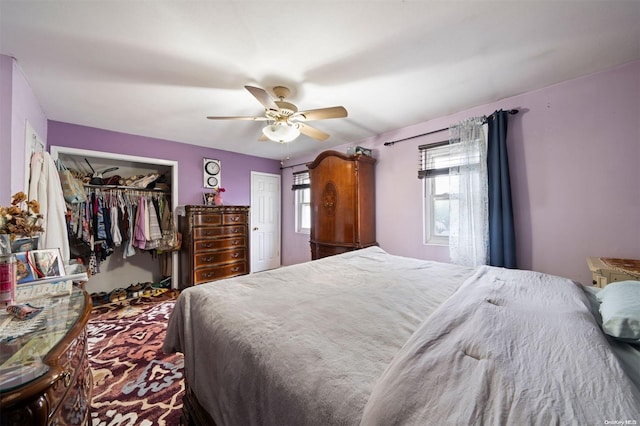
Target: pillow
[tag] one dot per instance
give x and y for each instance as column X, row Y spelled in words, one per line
column 620, row 310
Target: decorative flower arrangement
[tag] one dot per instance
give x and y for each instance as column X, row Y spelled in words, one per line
column 217, row 196
column 21, row 218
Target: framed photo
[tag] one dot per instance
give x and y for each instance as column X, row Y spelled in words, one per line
column 24, row 272
column 208, row 198
column 35, row 265
column 5, row 244
column 24, row 244
column 47, row 263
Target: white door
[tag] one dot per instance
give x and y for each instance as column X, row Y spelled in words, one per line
column 265, row 221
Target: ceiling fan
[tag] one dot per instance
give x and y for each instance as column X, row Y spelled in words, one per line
column 285, row 122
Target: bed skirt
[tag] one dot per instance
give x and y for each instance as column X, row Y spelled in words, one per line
column 193, row 414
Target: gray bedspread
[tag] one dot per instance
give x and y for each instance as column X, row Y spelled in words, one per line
column 304, row 344
column 508, row 348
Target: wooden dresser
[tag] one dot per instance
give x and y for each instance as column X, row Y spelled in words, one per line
column 215, row 243
column 45, row 375
column 342, row 203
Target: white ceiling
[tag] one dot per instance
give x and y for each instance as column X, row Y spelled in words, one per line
column 158, row 68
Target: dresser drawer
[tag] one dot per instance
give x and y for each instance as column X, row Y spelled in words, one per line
column 71, row 362
column 225, row 271
column 220, row 243
column 76, row 383
column 203, row 219
column 220, row 231
column 234, row 218
column 214, row 257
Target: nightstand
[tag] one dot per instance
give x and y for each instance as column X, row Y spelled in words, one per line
column 606, row 270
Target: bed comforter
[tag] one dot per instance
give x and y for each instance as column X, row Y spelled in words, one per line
column 303, row 344
column 373, row 339
column 508, row 348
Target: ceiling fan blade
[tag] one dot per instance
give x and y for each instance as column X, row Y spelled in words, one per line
column 239, row 118
column 312, row 132
column 263, row 97
column 321, row 113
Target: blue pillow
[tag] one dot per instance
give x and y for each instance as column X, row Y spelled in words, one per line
column 620, row 310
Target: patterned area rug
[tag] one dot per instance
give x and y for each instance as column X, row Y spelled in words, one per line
column 135, row 383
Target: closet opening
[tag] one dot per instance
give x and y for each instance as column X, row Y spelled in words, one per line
column 121, row 268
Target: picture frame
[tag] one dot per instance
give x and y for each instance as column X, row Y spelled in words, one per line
column 47, row 263
column 208, row 198
column 35, row 265
column 24, row 244
column 24, row 271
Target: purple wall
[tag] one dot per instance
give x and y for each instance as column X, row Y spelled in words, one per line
column 236, row 168
column 5, row 128
column 18, row 105
column 574, row 151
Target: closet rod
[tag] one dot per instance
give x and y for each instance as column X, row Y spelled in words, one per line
column 512, row 112
column 124, row 188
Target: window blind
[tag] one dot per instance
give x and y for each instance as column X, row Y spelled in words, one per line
column 301, row 180
column 443, row 158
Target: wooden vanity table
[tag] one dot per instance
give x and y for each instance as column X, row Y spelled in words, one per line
column 45, row 377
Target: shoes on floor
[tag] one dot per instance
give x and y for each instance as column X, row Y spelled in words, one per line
column 117, row 295
column 134, row 290
column 146, row 289
column 98, row 298
column 164, row 283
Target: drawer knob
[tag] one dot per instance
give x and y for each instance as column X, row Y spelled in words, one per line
column 235, row 255
column 255, row 229
column 236, row 269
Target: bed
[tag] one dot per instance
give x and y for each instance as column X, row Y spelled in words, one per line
column 368, row 338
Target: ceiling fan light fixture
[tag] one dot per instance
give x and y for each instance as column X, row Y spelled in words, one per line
column 281, row 132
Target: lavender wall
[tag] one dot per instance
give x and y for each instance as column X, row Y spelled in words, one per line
column 5, row 128
column 574, row 151
column 18, row 105
column 236, row 168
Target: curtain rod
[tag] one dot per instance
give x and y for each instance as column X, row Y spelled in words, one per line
column 511, row 111
column 294, row 165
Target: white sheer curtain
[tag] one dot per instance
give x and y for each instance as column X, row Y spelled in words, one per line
column 469, row 202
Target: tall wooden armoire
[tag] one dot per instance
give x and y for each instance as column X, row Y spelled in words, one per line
column 342, row 203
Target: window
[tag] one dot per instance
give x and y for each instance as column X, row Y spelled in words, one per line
column 434, row 159
column 440, row 164
column 301, row 186
column 437, row 199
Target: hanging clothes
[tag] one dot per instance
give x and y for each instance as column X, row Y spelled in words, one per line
column 140, row 236
column 112, row 218
column 116, row 237
column 45, row 187
column 155, row 233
